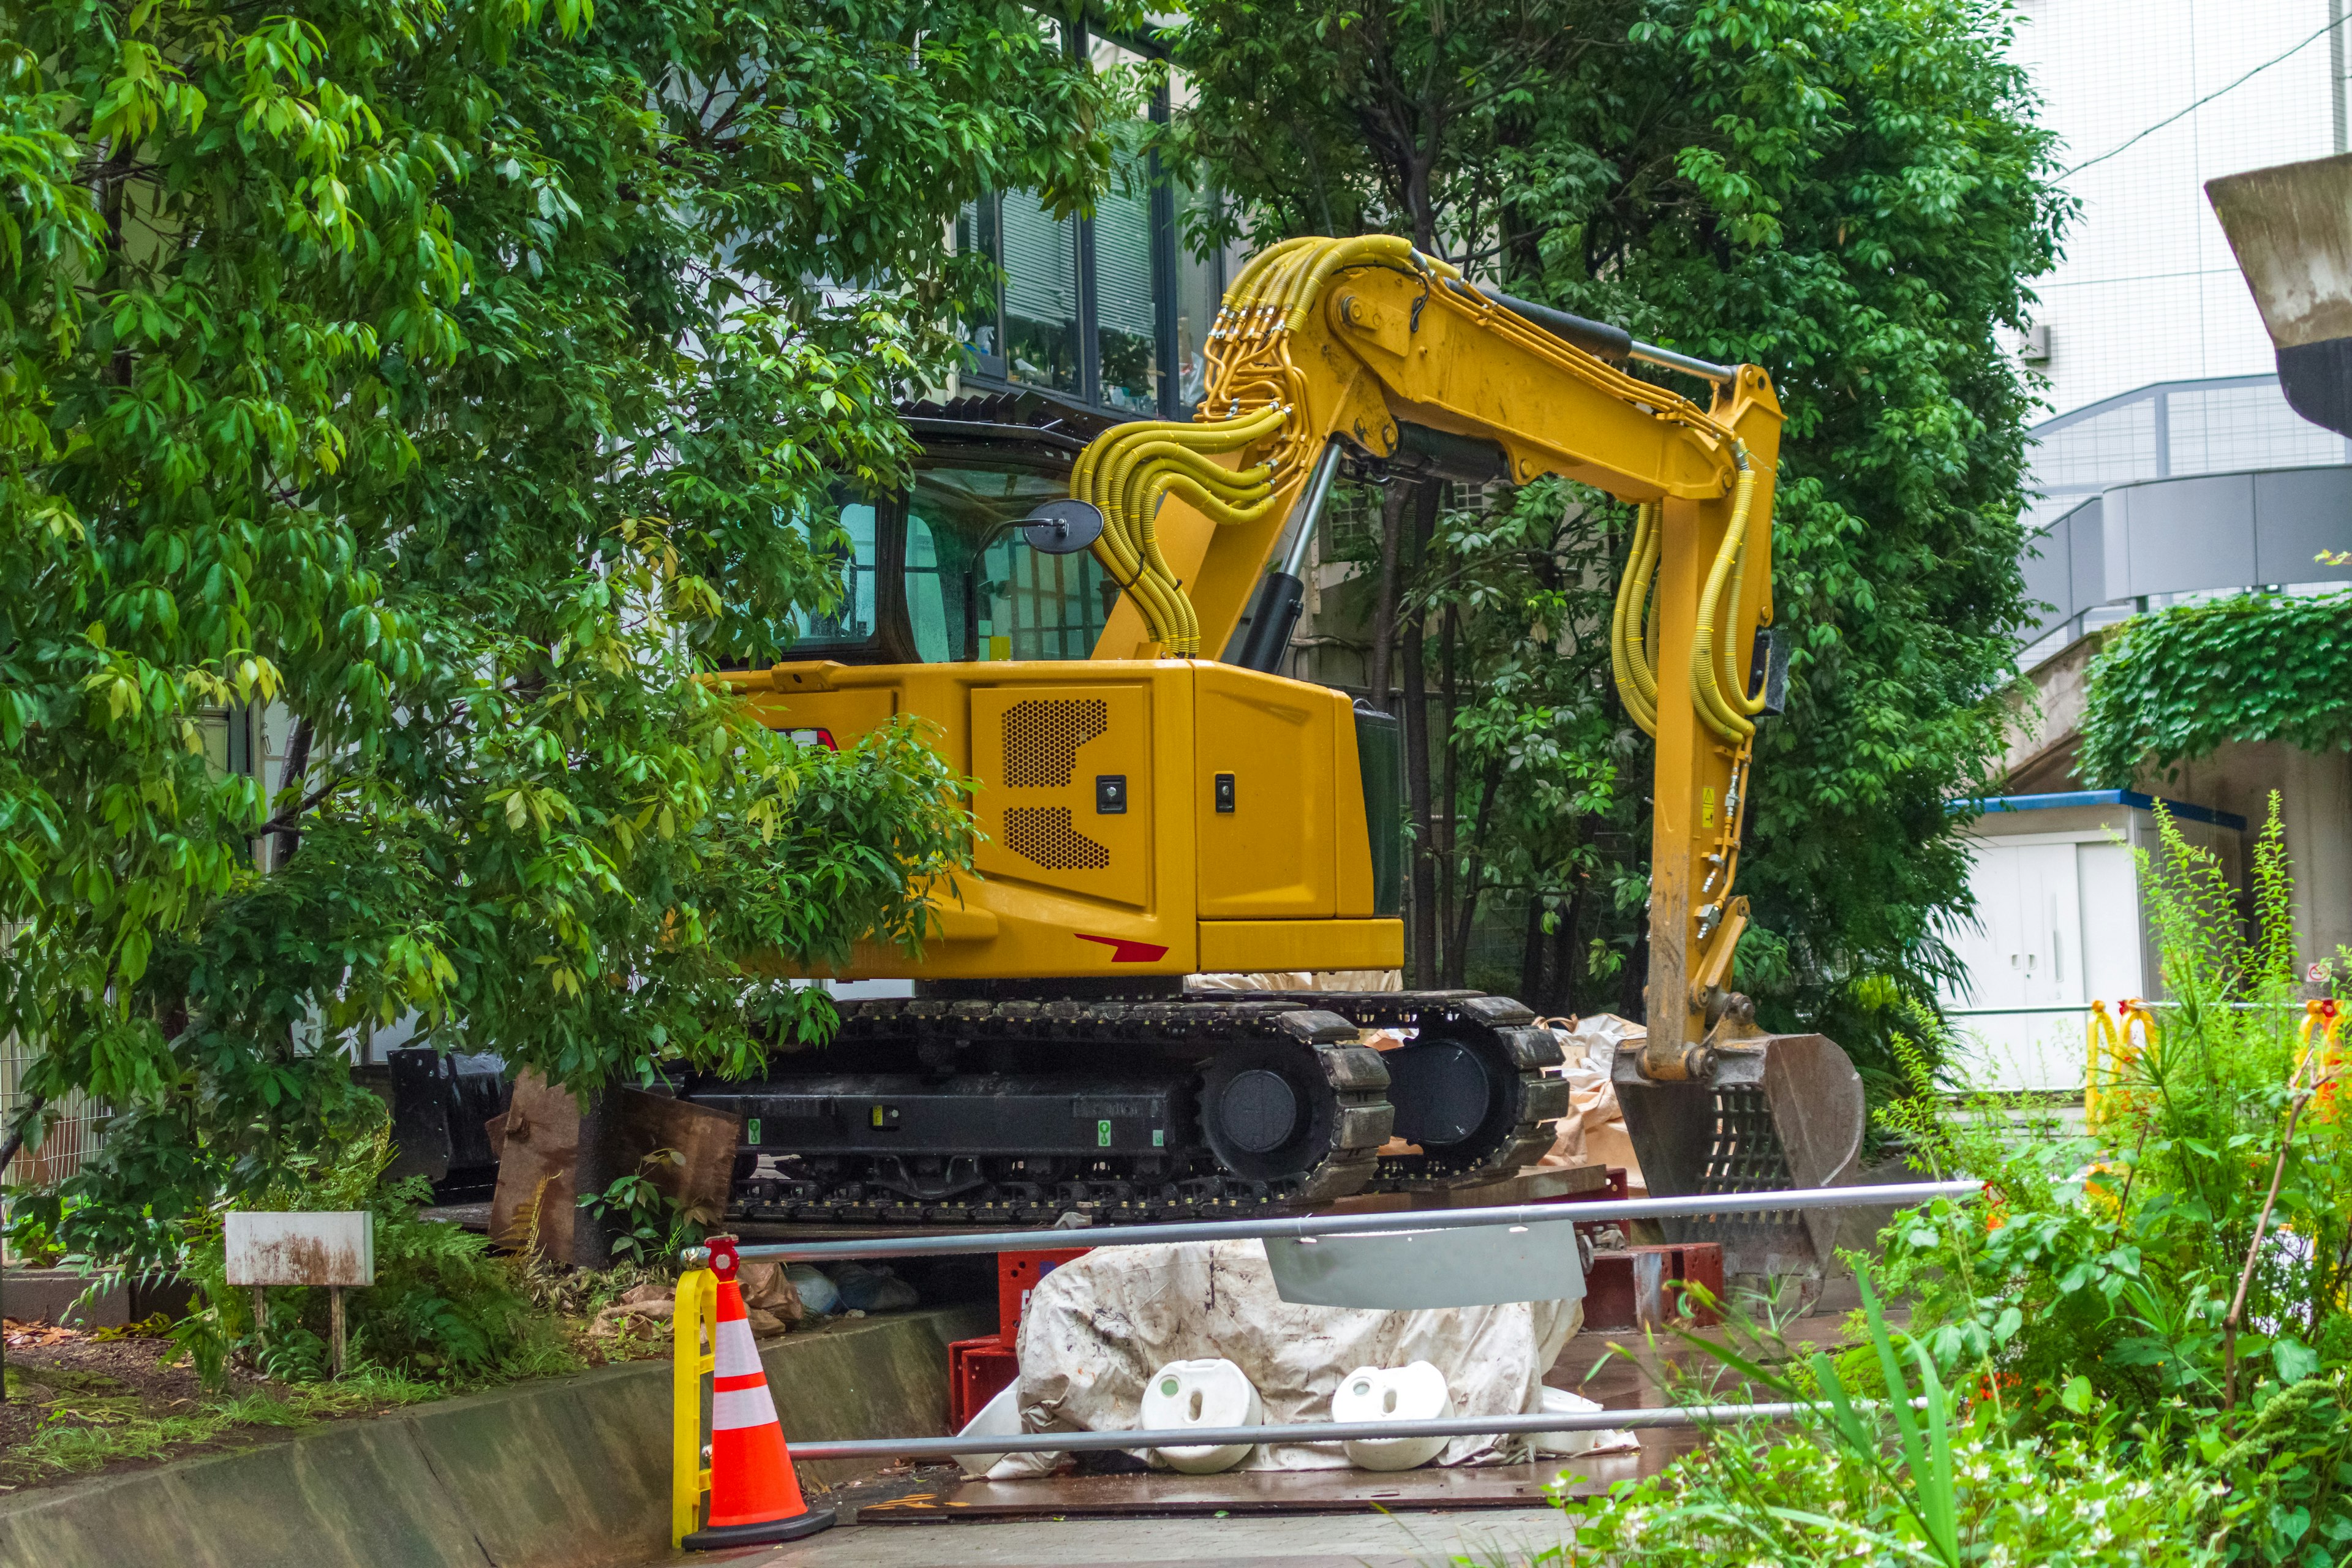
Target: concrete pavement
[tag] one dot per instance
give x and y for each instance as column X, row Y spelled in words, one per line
column 1512, row 1537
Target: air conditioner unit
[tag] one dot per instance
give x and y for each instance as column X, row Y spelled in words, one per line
column 2033, row 345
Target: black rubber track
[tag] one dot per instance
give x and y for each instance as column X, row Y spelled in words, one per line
column 1336, row 1155
column 1498, row 1028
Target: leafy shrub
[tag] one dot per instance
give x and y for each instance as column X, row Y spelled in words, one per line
column 1911, row 1478
column 647, row 1223
column 442, row 1304
column 2055, row 1503
column 2098, row 1275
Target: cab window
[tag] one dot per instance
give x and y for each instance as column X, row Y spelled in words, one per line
column 855, row 553
column 974, row 588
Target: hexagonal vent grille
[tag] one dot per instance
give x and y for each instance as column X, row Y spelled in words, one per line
column 1047, row 836
column 1042, row 740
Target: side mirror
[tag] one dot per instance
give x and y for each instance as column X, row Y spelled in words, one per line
column 1063, row 527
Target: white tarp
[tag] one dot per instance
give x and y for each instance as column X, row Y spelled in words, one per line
column 1096, row 1328
column 1594, row 1131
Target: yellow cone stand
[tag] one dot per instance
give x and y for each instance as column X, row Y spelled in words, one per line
column 2324, row 1019
column 755, row 1499
column 2111, row 1084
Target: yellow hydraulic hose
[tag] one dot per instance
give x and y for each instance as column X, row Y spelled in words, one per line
column 1120, row 473
column 1729, row 715
column 1308, row 288
column 1243, row 291
column 1229, row 495
column 1729, row 676
column 1118, row 548
column 1633, row 621
column 1151, row 472
column 1110, row 441
column 1212, row 506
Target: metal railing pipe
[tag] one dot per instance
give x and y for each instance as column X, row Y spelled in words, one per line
column 1311, row 1227
column 1299, row 1432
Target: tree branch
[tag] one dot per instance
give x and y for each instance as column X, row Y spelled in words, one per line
column 2253, row 1253
column 15, row 1139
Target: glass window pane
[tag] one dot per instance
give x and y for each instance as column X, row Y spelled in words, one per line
column 1041, row 294
column 1200, row 286
column 976, row 233
column 852, row 551
column 976, row 590
column 1127, row 307
column 937, row 630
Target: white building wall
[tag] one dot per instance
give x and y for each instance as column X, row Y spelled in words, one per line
column 2147, row 290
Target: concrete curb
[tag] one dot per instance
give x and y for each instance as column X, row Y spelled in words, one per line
column 574, row 1472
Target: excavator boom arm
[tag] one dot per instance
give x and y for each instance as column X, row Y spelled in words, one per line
column 1360, row 339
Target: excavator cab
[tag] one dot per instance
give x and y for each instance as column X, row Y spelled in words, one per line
column 943, row 573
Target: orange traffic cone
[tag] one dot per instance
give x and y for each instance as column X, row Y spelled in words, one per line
column 754, row 1497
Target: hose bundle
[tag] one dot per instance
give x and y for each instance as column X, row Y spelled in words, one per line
column 1258, row 404
column 1634, row 627
column 1253, row 391
column 1718, row 686
column 1127, row 470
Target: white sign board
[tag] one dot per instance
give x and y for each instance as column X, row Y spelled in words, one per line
column 301, row 1249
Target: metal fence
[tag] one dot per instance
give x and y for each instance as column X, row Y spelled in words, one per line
column 693, row 1362
column 73, row 1134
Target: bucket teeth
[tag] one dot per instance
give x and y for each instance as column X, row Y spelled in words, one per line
column 1770, row 1113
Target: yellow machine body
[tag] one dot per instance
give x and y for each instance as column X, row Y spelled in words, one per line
column 1107, row 845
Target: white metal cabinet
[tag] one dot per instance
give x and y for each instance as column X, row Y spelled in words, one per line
column 2057, row 925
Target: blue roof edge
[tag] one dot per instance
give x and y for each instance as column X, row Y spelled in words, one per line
column 2181, row 810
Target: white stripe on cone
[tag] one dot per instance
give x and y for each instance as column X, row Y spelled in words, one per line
column 735, row 1355
column 735, row 1407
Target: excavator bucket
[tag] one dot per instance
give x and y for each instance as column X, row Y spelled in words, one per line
column 1761, row 1114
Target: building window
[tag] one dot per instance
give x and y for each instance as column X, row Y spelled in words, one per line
column 1043, row 321
column 1109, row 308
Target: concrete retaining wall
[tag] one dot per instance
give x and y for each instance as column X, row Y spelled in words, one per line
column 574, row 1472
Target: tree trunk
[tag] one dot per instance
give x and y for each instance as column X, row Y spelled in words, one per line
column 1449, row 796
column 1562, row 998
column 1531, row 956
column 1425, row 912
column 1457, row 957
column 15, row 1139
column 1635, row 976
column 1417, row 203
column 290, row 777
column 1393, row 502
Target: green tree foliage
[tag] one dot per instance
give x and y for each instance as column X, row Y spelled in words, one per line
column 451, row 374
column 1848, row 195
column 2168, row 688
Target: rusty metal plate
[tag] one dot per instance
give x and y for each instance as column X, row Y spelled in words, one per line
column 334, row 1248
column 1270, row 1491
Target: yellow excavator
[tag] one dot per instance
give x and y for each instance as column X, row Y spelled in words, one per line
column 1051, row 607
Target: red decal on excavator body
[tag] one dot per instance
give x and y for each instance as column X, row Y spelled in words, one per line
column 1124, row 951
